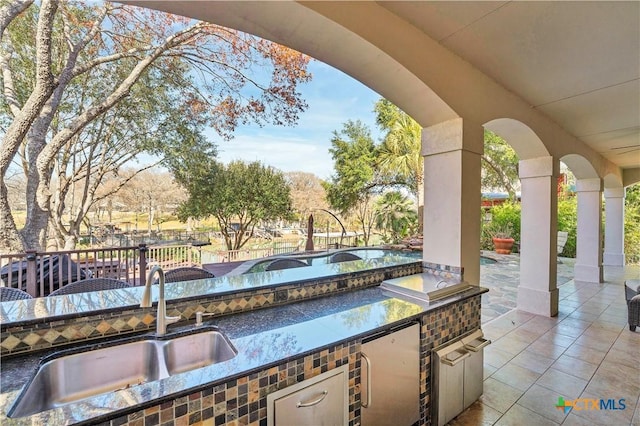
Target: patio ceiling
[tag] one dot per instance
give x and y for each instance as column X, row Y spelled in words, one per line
column 577, row 63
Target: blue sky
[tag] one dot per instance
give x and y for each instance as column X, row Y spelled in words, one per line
column 333, row 98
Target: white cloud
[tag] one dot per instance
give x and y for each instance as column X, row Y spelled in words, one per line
column 287, row 154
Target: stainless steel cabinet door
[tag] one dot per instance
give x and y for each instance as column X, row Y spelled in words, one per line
column 390, row 379
column 324, row 402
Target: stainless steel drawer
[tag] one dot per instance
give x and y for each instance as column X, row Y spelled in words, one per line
column 321, row 400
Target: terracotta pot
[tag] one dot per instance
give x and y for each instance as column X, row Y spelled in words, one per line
column 503, row 245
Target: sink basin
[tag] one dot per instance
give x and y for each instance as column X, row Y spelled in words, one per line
column 70, row 378
column 197, row 350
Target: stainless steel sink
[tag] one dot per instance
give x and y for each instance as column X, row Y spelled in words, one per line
column 77, row 376
column 197, row 350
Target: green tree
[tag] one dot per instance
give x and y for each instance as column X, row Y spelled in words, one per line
column 395, row 216
column 238, row 195
column 67, row 66
column 499, row 166
column 632, row 224
column 399, row 156
column 351, row 187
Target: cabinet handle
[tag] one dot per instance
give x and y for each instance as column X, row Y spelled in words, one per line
column 447, row 361
column 476, row 348
column 316, row 401
column 368, row 361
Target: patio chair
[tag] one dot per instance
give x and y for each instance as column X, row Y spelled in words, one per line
column 91, row 284
column 279, row 264
column 186, row 273
column 7, row 294
column 632, row 294
column 343, row 257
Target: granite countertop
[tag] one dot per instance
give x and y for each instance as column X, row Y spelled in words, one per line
column 263, row 338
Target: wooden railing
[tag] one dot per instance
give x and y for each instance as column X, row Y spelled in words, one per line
column 40, row 273
column 222, row 256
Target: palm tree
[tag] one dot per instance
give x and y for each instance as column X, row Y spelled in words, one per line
column 395, row 216
column 399, row 155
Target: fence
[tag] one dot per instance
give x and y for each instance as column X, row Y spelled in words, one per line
column 222, row 256
column 40, row 273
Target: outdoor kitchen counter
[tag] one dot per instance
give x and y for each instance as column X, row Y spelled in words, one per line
column 263, row 338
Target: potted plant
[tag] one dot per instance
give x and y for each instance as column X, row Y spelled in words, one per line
column 502, row 240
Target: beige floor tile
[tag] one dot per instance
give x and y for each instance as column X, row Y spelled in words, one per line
column 557, row 339
column 510, row 344
column 594, row 343
column 477, row 414
column 526, row 335
column 546, row 349
column 488, row 370
column 516, row 376
column 575, row 367
column 496, row 357
column 624, row 357
column 585, row 353
column 519, row 416
column 615, row 379
column 574, row 419
column 498, row 395
column 564, row 384
column 532, row 361
column 543, row 401
column 585, row 316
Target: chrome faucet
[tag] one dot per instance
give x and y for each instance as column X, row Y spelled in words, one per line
column 162, row 320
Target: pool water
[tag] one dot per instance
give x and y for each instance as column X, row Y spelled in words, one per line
column 323, row 258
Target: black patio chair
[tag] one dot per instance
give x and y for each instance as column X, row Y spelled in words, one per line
column 7, row 294
column 91, row 284
column 632, row 294
column 186, row 273
column 279, row 264
column 343, row 257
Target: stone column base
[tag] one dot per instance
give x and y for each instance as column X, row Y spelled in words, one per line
column 588, row 273
column 538, row 302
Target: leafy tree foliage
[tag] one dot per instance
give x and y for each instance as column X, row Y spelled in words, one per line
column 307, row 194
column 632, row 224
column 396, row 217
column 500, row 166
column 398, row 156
column 351, row 188
column 86, row 83
column 238, row 195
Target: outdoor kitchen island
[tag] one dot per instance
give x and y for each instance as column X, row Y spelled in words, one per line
column 287, row 327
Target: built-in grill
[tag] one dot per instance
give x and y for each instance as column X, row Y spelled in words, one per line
column 426, row 287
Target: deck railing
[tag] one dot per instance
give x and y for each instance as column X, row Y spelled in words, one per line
column 222, row 256
column 40, row 273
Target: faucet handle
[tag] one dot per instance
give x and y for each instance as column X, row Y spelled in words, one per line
column 200, row 315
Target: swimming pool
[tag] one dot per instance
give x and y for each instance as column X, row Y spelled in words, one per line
column 323, row 258
column 364, row 253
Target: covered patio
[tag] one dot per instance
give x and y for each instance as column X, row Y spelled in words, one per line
column 559, row 81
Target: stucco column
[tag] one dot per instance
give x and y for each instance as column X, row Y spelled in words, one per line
column 614, row 227
column 452, row 152
column 538, row 291
column 589, row 233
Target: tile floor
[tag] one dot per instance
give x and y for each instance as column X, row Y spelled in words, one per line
column 587, row 351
